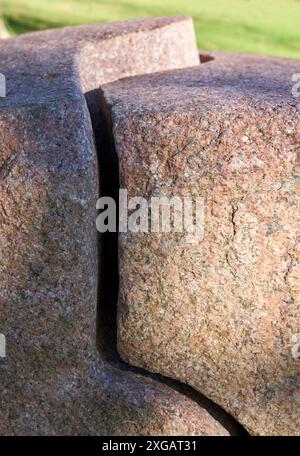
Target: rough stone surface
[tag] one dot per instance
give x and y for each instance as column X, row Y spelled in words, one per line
column 221, row 315
column 52, row 381
column 100, row 53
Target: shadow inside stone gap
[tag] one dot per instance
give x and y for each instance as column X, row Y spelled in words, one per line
column 205, row 57
column 108, row 275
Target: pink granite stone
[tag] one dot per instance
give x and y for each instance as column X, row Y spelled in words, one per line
column 53, row 380
column 221, row 315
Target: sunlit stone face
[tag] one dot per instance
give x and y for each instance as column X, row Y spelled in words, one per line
column 221, row 314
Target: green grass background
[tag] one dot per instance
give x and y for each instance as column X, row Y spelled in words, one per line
column 261, row 26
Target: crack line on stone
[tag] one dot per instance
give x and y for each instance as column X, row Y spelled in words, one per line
column 108, row 172
column 289, row 267
column 234, row 209
column 7, row 166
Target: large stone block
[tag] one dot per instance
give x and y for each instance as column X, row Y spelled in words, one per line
column 52, row 380
column 221, row 315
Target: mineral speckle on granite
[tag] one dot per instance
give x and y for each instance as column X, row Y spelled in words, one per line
column 221, row 315
column 53, row 381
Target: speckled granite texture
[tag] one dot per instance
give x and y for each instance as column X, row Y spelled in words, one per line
column 53, row 381
column 220, row 315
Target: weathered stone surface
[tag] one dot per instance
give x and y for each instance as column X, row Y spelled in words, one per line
column 221, row 315
column 101, row 53
column 52, row 381
column 131, row 404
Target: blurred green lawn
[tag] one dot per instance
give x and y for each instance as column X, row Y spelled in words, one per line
column 261, row 26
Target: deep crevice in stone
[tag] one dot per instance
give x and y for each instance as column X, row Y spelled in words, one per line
column 108, row 285
column 108, row 276
column 204, row 58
